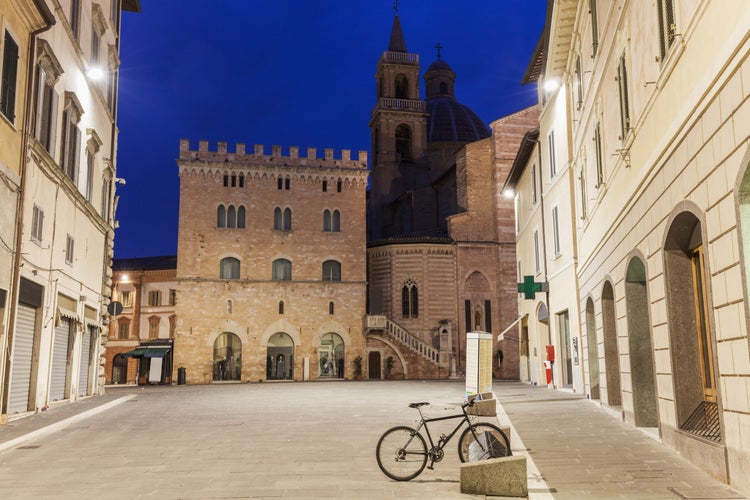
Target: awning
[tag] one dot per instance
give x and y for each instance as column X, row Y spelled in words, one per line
column 502, row 335
column 156, row 352
column 135, row 353
column 147, row 352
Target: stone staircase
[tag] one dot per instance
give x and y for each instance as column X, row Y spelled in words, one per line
column 381, row 324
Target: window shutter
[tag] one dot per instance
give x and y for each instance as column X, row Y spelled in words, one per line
column 40, row 118
column 10, row 70
column 76, row 150
column 51, row 141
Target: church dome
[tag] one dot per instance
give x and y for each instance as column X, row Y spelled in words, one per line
column 439, row 65
column 451, row 121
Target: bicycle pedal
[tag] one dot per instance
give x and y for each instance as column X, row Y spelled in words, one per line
column 430, row 467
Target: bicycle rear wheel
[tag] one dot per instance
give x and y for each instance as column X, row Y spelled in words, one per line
column 401, row 453
column 482, row 440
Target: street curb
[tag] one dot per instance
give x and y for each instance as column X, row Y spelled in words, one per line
column 63, row 423
column 538, row 489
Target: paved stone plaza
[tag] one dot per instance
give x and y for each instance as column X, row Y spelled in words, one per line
column 317, row 440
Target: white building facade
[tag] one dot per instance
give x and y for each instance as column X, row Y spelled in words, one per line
column 658, row 114
column 62, row 255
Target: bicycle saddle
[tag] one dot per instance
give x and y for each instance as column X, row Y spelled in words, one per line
column 417, row 405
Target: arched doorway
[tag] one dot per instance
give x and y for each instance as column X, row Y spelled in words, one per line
column 690, row 338
column 227, row 357
column 120, row 369
column 593, row 350
column 639, row 341
column 331, row 356
column 611, row 351
column 280, row 357
column 543, row 340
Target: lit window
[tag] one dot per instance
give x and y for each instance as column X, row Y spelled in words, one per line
column 123, row 329
column 153, row 327
column 154, row 298
column 126, row 298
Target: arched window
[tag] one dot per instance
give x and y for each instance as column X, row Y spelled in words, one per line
column 336, row 222
column 278, row 219
column 331, row 356
column 241, row 217
column 339, row 184
column 279, row 183
column 287, row 183
column 331, row 270
column 282, row 270
column 281, row 307
column 287, row 219
column 325, row 186
column 242, row 181
column 403, row 141
column 221, row 216
column 280, row 357
column 234, row 181
column 401, row 87
column 330, row 307
column 326, row 220
column 231, row 216
column 226, row 180
column 443, row 88
column 229, row 269
column 410, row 300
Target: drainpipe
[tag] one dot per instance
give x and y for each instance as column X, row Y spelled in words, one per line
column 26, row 130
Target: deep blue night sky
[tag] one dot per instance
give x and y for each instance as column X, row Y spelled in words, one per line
column 288, row 72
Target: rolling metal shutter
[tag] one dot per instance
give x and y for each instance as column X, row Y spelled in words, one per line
column 85, row 366
column 23, row 347
column 60, row 360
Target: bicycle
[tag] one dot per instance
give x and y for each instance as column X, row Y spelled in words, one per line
column 402, row 451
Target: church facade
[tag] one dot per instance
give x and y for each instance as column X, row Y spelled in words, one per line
column 441, row 251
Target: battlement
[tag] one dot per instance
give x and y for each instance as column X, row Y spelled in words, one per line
column 276, row 158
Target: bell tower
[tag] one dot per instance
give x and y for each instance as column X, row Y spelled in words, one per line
column 398, row 128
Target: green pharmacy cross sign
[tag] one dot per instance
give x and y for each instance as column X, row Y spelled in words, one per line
column 529, row 287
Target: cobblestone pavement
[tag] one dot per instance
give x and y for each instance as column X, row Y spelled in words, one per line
column 317, row 440
column 303, row 440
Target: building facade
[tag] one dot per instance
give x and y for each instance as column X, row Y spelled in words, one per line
column 441, row 261
column 140, row 346
column 658, row 137
column 271, row 264
column 60, row 244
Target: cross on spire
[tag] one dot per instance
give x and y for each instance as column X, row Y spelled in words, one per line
column 395, row 5
column 438, row 47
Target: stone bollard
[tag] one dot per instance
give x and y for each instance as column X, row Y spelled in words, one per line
column 505, row 477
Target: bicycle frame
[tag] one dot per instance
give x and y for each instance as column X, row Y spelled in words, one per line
column 444, row 439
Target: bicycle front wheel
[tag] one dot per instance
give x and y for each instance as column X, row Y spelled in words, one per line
column 481, row 441
column 401, row 453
